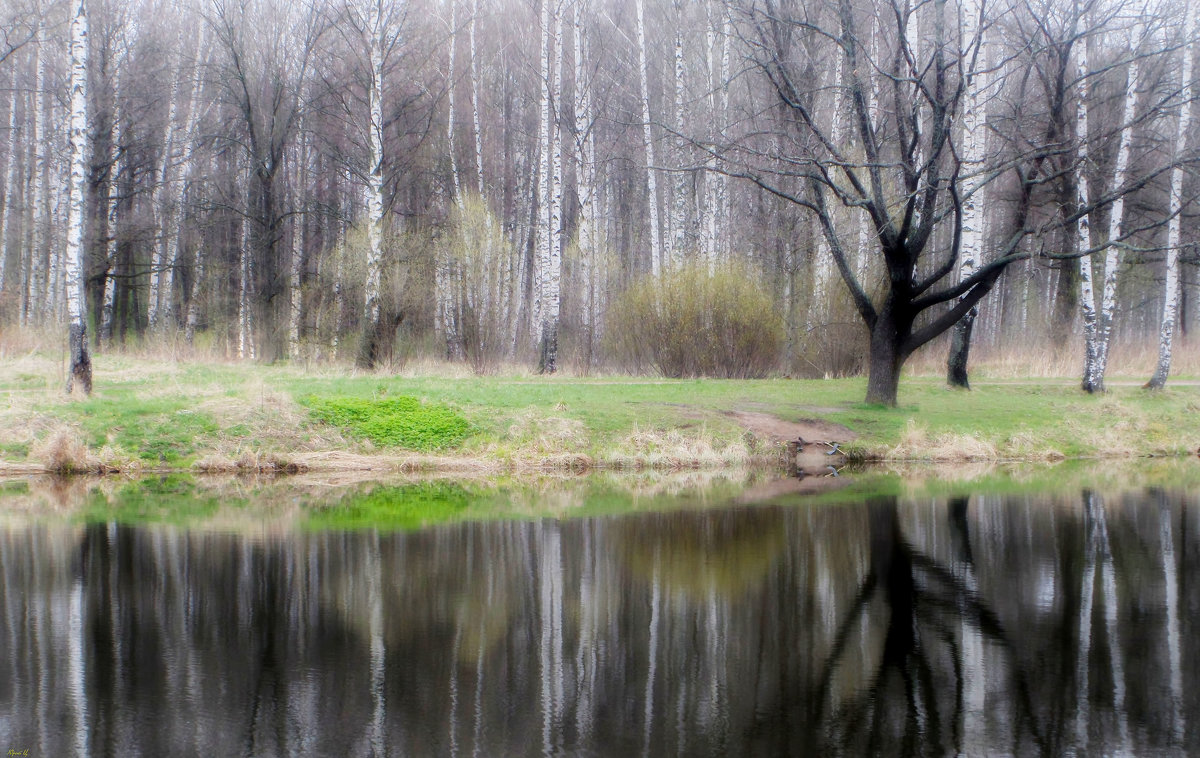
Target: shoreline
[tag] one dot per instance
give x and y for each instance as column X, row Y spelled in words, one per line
column 151, row 417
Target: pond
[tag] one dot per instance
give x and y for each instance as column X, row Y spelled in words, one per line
column 1024, row 613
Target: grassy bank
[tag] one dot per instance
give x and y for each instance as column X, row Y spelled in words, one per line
column 154, row 415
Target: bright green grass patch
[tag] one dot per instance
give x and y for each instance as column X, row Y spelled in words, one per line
column 402, row 421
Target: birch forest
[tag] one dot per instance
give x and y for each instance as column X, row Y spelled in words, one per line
column 494, row 181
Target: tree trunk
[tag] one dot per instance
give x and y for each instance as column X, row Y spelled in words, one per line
column 960, row 349
column 369, row 346
column 552, row 276
column 1112, row 257
column 974, row 143
column 1083, row 237
column 36, row 285
column 266, row 265
column 10, row 190
column 80, row 372
column 648, row 145
column 885, row 360
column 1171, row 293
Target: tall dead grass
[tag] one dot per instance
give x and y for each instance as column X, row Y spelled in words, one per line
column 1129, row 361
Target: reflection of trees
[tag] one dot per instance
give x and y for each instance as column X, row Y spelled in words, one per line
column 922, row 600
column 692, row 633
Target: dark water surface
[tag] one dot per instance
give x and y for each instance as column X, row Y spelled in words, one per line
column 982, row 624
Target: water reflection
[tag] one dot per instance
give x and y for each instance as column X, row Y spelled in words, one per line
column 984, row 625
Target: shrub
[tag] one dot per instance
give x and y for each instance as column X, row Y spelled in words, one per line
column 392, row 422
column 695, row 322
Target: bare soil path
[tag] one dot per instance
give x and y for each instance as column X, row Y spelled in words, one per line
column 779, row 430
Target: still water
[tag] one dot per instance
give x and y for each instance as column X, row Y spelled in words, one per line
column 872, row 622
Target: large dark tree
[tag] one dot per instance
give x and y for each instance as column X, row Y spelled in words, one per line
column 866, row 133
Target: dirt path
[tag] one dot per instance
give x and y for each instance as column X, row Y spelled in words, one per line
column 775, row 428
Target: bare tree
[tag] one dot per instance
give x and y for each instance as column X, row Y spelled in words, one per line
column 265, row 51
column 907, row 173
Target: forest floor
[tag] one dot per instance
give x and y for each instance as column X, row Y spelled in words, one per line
column 150, row 414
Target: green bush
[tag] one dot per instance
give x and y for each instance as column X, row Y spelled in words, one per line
column 695, row 322
column 392, row 422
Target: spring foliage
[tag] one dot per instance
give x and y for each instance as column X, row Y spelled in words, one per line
column 402, row 421
column 693, row 321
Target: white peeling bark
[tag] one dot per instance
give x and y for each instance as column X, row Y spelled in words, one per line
column 245, row 343
column 585, row 183
column 80, row 371
column 1112, row 256
column 708, row 228
column 374, row 189
column 648, row 144
column 1083, row 239
column 36, row 286
column 1171, row 290
column 679, row 191
column 474, row 63
column 10, row 188
column 552, row 276
column 974, row 119
column 450, row 105
column 541, row 230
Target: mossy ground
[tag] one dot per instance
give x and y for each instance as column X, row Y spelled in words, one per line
column 175, row 414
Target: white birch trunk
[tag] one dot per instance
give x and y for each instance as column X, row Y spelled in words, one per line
column 108, row 308
column 10, row 189
column 81, row 363
column 450, row 105
column 1112, row 256
column 723, row 231
column 541, row 255
column 974, row 119
column 36, row 285
column 245, row 345
column 478, row 133
column 375, row 188
column 1171, row 289
column 55, row 250
column 708, row 227
column 679, row 191
column 585, row 181
column 648, row 144
column 1083, row 239
column 552, row 276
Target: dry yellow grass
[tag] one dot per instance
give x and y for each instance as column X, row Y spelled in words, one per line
column 1045, row 359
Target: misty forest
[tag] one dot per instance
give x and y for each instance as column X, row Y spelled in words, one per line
column 695, row 187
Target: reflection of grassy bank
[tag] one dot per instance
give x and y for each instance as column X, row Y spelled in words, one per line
column 266, row 505
column 150, row 415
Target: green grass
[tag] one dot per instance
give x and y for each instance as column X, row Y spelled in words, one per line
column 175, row 413
column 402, row 421
column 157, row 430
